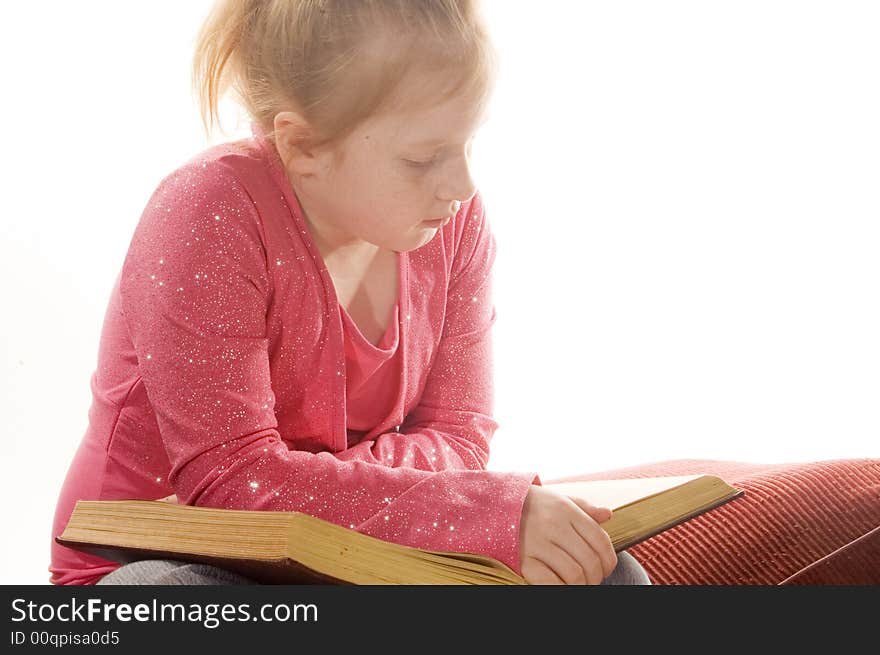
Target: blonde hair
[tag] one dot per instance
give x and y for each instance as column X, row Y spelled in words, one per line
column 339, row 62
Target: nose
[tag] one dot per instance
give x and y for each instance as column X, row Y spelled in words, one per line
column 458, row 188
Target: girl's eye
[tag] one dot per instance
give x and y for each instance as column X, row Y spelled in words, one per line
column 419, row 164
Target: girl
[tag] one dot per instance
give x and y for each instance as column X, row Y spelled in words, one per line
column 302, row 320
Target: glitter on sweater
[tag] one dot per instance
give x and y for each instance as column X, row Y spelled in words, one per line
column 221, row 374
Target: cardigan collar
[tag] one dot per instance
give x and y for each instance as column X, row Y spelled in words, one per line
column 333, row 314
column 331, row 318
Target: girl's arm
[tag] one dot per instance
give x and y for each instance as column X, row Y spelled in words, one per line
column 452, row 425
column 195, row 290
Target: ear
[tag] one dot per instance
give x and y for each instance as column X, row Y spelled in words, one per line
column 292, row 134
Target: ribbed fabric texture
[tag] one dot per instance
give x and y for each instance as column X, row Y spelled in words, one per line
column 846, row 565
column 790, row 518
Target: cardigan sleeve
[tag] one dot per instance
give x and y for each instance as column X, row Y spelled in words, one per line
column 452, row 424
column 195, row 290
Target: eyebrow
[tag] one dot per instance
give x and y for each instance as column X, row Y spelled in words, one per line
column 440, row 142
column 429, row 142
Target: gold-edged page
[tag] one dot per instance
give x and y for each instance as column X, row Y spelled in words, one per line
column 617, row 493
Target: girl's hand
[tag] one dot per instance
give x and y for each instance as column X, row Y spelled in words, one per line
column 561, row 541
column 168, row 499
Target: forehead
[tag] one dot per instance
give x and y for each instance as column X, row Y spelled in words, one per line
column 429, row 109
column 450, row 121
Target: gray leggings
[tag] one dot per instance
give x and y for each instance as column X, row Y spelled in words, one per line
column 175, row 572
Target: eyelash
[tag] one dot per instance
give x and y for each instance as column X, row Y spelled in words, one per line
column 421, row 164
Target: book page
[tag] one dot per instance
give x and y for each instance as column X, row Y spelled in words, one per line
column 617, row 493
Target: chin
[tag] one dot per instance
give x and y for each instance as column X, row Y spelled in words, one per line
column 422, row 239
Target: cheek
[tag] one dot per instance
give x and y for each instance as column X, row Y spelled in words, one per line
column 395, row 194
column 361, row 188
column 405, row 188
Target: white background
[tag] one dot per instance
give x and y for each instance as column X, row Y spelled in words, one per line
column 684, row 194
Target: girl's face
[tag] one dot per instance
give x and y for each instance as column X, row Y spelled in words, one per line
column 393, row 173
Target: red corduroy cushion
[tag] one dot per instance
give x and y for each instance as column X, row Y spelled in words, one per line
column 800, row 523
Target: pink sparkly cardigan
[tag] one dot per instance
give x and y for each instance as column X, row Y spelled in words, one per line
column 221, row 376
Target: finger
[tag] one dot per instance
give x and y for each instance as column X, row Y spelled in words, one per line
column 598, row 539
column 536, row 572
column 585, row 556
column 586, row 523
column 599, row 514
column 564, row 561
column 169, row 499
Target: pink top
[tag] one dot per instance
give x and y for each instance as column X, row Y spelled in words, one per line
column 224, row 374
column 372, row 379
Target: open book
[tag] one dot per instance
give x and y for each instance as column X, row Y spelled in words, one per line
column 296, row 548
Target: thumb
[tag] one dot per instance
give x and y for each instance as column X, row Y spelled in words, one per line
column 598, row 514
